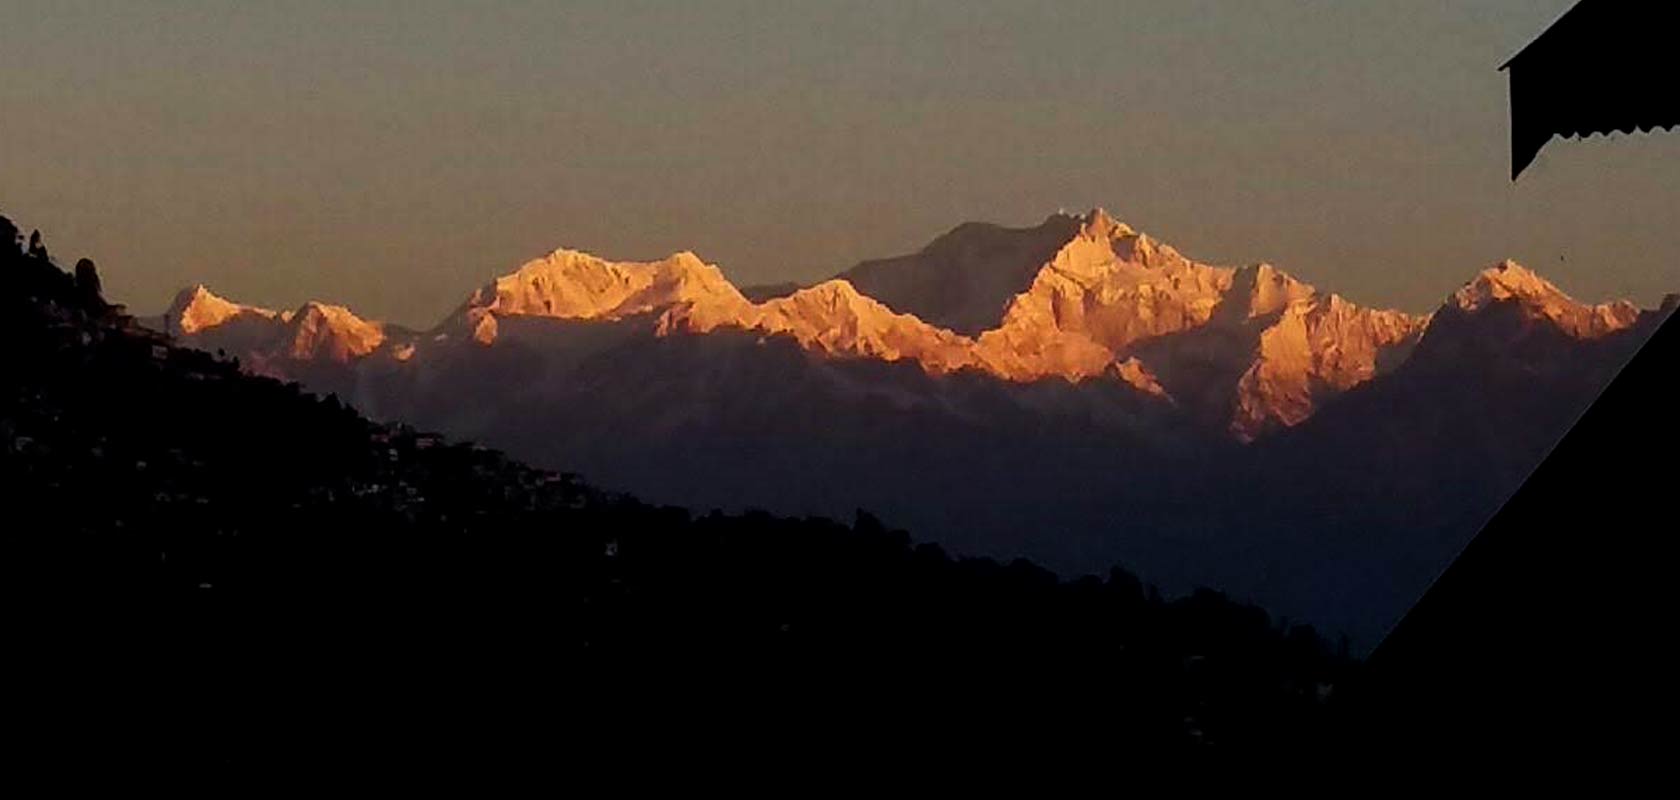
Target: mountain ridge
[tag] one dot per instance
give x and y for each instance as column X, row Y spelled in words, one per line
column 1230, row 425
column 314, row 331
column 1249, row 349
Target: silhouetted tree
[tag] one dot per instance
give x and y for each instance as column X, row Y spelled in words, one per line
column 87, row 281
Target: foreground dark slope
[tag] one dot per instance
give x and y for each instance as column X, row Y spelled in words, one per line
column 221, row 569
column 1541, row 643
column 1365, row 504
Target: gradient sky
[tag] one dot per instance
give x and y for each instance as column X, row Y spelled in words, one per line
column 394, row 155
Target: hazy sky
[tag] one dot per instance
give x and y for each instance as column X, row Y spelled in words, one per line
column 393, row 155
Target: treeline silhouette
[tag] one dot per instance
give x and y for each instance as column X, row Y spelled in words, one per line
column 221, row 570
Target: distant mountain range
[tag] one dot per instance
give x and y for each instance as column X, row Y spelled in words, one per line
column 1076, row 391
column 226, row 576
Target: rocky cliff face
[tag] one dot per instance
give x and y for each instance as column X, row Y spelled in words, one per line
column 833, row 319
column 322, row 331
column 1252, row 348
column 196, row 309
column 568, row 284
column 1318, row 347
column 1511, row 283
column 264, row 338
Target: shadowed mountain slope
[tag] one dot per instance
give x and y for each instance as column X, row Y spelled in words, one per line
column 964, row 279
